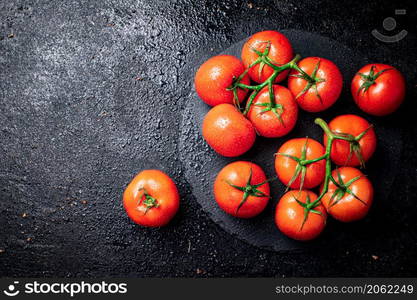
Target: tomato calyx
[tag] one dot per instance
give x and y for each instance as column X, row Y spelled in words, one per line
column 309, row 207
column 342, row 189
column 312, row 80
column 236, row 84
column 147, row 200
column 265, row 60
column 354, row 145
column 249, row 190
column 301, row 167
column 277, row 109
column 370, row 79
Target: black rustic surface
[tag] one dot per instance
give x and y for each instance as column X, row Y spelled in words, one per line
column 93, row 91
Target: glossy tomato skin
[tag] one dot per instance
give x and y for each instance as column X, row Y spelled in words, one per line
column 214, row 77
column 384, row 96
column 354, row 125
column 280, row 52
column 227, row 131
column 329, row 89
column 267, row 123
column 289, row 216
column 229, row 198
column 158, row 185
column 350, row 209
column 286, row 167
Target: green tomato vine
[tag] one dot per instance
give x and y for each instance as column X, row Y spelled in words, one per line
column 312, row 81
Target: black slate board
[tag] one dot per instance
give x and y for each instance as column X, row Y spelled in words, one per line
column 202, row 164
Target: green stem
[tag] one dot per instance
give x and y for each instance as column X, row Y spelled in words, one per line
column 245, row 86
column 310, row 161
column 328, row 167
column 329, row 133
column 324, row 126
column 330, row 138
column 270, row 81
column 345, row 138
column 149, row 201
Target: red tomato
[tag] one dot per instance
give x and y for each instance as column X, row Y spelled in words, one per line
column 324, row 89
column 295, row 220
column 227, row 131
column 344, row 153
column 378, row 89
column 288, row 164
column 241, row 189
column 216, row 75
column 151, row 199
column 352, row 199
column 277, row 119
column 280, row 52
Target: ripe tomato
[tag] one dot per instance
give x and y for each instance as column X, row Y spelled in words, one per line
column 378, row 89
column 290, row 167
column 216, row 75
column 241, row 189
column 227, row 131
column 352, row 198
column 324, row 89
column 273, row 119
column 280, row 52
column 151, row 199
column 344, row 153
column 296, row 219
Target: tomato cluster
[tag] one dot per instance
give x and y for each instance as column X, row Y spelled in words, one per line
column 267, row 108
column 241, row 111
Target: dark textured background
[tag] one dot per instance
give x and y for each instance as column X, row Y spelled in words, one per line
column 93, row 91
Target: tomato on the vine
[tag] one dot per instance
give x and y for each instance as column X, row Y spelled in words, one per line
column 346, row 153
column 378, row 89
column 279, row 51
column 351, row 199
column 319, row 86
column 227, row 131
column 151, row 199
column 215, row 77
column 273, row 119
column 292, row 167
column 298, row 217
column 241, row 189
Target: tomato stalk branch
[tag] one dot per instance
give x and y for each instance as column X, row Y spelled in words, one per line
column 147, row 200
column 309, row 206
column 277, row 109
column 250, row 190
column 269, row 82
column 263, row 60
column 331, row 137
column 342, row 187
